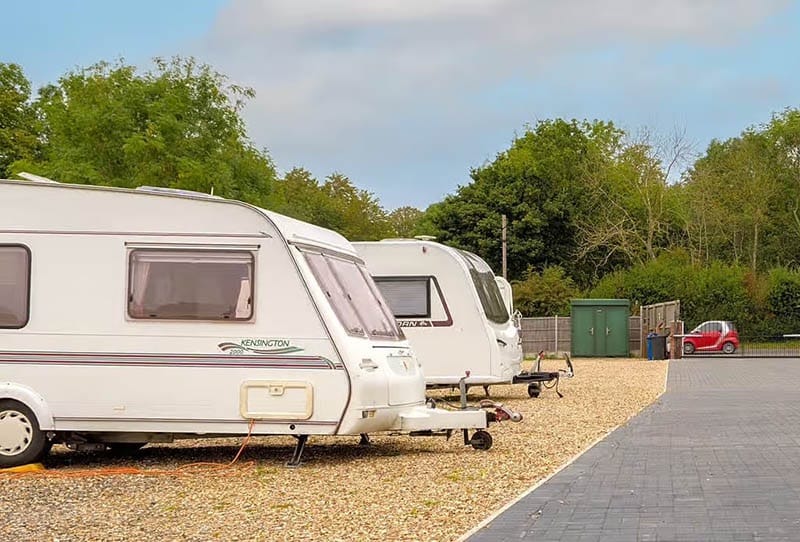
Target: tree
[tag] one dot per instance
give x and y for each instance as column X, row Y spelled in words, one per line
column 406, row 221
column 540, row 185
column 740, row 178
column 19, row 129
column 335, row 204
column 359, row 215
column 635, row 209
column 545, row 294
column 177, row 126
column 783, row 133
column 299, row 195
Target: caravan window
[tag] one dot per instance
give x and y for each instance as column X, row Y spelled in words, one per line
column 485, row 284
column 408, row 297
column 354, row 297
column 190, row 285
column 15, row 266
column 335, row 294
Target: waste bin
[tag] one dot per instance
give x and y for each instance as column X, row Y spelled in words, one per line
column 656, row 346
column 660, row 346
column 650, row 338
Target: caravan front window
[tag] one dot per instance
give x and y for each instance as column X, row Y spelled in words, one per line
column 15, row 265
column 335, row 294
column 190, row 285
column 354, row 297
column 485, row 284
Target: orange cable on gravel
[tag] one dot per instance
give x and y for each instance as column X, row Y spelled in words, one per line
column 118, row 471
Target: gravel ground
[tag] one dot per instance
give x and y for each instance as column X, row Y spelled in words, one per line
column 399, row 488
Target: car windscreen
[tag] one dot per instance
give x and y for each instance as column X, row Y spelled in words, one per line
column 353, row 296
column 485, row 284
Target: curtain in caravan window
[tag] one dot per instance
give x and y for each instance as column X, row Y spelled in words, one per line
column 243, row 302
column 139, row 274
column 191, row 284
column 14, row 286
column 408, row 297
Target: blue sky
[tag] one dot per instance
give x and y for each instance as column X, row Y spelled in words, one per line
column 405, row 96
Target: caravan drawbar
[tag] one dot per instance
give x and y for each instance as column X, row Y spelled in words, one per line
column 146, row 315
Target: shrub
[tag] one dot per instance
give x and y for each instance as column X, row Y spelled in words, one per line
column 545, row 294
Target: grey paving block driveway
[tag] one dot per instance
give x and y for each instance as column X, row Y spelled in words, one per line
column 717, row 457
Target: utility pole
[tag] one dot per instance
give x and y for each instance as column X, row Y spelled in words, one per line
column 505, row 222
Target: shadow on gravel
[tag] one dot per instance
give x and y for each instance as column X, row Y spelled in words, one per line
column 264, row 451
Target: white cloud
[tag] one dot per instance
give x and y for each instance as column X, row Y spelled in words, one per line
column 342, row 84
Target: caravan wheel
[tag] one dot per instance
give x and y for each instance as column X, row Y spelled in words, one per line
column 534, row 390
column 481, row 440
column 21, row 440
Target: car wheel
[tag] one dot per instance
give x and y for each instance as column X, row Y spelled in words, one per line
column 729, row 348
column 688, row 348
column 21, row 440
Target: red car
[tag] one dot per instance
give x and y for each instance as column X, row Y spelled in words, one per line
column 712, row 336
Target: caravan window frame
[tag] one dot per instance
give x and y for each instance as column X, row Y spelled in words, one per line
column 347, row 311
column 409, row 278
column 29, row 259
column 197, row 251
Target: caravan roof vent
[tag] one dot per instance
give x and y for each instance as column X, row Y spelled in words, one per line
column 425, row 237
column 176, row 191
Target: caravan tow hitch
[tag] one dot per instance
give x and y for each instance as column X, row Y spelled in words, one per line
column 496, row 412
column 537, row 379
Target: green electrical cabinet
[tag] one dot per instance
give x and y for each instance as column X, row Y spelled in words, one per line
column 600, row 327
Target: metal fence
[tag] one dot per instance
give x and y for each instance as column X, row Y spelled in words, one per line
column 779, row 346
column 554, row 334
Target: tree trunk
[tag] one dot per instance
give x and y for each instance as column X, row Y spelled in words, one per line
column 754, row 259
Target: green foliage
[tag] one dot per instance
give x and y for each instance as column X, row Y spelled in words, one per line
column 783, row 299
column 716, row 292
column 19, row 127
column 545, row 294
column 406, row 221
column 656, row 281
column 177, row 126
column 719, row 292
column 336, row 204
column 539, row 184
column 633, row 209
column 356, row 213
column 737, row 202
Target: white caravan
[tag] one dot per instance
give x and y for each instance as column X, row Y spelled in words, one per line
column 450, row 306
column 135, row 316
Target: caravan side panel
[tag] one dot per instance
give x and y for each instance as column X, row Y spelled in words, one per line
column 98, row 368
